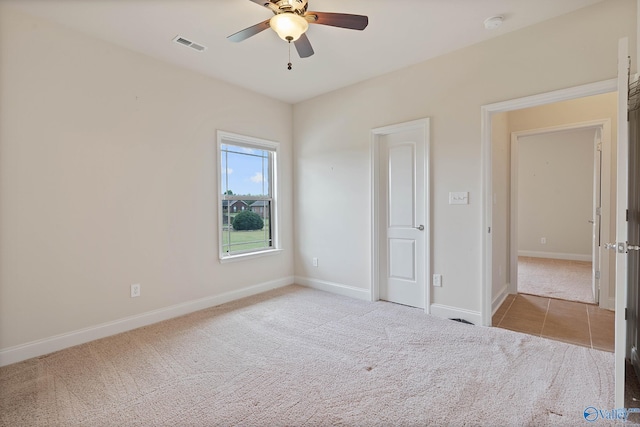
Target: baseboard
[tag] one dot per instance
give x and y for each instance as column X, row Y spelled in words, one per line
column 556, row 255
column 335, row 288
column 447, row 312
column 499, row 299
column 58, row 342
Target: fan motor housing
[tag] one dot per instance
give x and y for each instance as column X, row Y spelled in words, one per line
column 297, row 6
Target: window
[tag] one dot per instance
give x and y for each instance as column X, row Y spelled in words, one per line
column 247, row 195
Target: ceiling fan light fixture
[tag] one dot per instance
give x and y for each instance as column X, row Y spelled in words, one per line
column 289, row 26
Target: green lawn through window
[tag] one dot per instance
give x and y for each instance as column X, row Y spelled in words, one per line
column 245, row 240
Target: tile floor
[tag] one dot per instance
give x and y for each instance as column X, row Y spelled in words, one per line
column 573, row 322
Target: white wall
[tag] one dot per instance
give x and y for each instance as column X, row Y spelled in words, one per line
column 332, row 159
column 107, row 178
column 555, row 194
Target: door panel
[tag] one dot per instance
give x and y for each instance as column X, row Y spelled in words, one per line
column 633, row 230
column 401, row 189
column 622, row 179
column 402, row 246
column 402, row 259
column 633, row 233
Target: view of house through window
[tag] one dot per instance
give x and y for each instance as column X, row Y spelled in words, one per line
column 247, row 199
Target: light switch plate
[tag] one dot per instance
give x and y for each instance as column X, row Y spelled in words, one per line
column 459, row 198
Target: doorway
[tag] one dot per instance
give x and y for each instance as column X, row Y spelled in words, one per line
column 400, row 215
column 555, row 124
column 497, row 274
column 556, row 210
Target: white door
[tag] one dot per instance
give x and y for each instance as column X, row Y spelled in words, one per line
column 621, row 221
column 633, row 230
column 596, row 221
column 402, row 215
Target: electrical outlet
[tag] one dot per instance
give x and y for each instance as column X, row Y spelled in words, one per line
column 315, row 261
column 543, row 240
column 135, row 290
column 437, row 280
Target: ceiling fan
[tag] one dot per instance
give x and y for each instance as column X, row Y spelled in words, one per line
column 291, row 20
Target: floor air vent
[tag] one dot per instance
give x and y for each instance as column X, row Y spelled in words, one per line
column 189, row 43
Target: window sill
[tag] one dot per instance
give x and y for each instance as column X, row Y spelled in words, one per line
column 252, row 255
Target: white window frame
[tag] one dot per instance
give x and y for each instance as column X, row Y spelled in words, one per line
column 261, row 144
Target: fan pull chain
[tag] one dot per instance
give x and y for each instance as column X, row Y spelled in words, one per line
column 289, row 64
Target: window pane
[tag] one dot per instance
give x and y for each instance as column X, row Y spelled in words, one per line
column 246, row 235
column 245, row 171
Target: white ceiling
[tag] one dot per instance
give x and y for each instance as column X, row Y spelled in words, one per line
column 400, row 33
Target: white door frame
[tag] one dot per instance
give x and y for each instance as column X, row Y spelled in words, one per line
column 604, row 126
column 487, row 112
column 376, row 187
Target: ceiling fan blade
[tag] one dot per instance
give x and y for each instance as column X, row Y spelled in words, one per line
column 303, row 46
column 342, row 20
column 248, row 32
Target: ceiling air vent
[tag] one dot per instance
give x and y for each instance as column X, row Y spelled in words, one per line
column 189, row 43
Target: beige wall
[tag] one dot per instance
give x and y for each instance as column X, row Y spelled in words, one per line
column 332, row 134
column 555, row 194
column 107, row 175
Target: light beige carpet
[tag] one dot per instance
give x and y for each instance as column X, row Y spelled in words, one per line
column 301, row 357
column 556, row 278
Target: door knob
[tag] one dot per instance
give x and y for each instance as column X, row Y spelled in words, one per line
column 420, row 227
